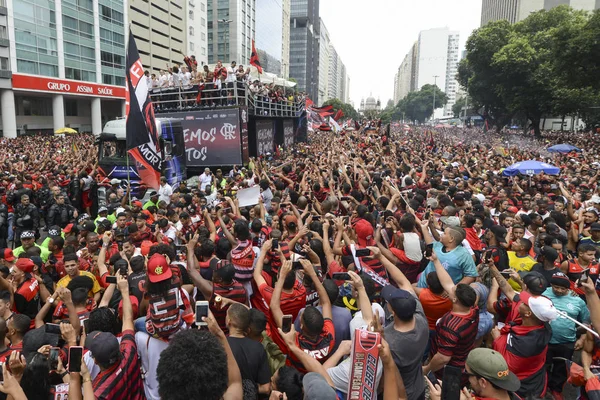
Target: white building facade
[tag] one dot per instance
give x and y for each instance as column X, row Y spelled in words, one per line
column 517, row 10
column 67, row 65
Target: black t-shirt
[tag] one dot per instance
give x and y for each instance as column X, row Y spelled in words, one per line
column 251, row 359
column 137, row 285
column 539, row 267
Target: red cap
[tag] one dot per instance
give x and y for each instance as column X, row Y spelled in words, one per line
column 288, row 219
column 137, row 203
column 158, row 269
column 364, row 233
column 7, row 254
column 25, row 265
column 513, row 209
column 145, row 247
column 68, row 228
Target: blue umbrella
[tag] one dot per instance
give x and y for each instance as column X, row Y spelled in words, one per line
column 563, row 148
column 531, row 167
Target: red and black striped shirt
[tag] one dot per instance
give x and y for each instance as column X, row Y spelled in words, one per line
column 455, row 337
column 235, row 291
column 124, row 379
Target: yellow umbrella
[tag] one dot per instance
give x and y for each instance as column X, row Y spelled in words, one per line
column 65, row 130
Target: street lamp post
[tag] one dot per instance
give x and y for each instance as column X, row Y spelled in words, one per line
column 434, row 86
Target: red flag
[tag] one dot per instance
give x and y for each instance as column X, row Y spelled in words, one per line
column 339, row 114
column 142, row 138
column 309, row 102
column 254, row 59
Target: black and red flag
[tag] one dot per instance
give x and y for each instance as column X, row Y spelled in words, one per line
column 339, row 114
column 325, row 111
column 254, row 59
column 142, row 135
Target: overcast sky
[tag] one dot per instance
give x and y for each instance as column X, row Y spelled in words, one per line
column 373, row 36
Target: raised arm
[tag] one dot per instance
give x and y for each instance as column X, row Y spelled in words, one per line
column 502, row 283
column 205, row 287
column 323, row 297
column 393, row 271
column 123, row 286
column 275, row 305
column 442, row 274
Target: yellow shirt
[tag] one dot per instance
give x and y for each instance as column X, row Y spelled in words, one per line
column 519, row 264
column 64, row 282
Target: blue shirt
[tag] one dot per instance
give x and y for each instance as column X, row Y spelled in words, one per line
column 458, row 262
column 564, row 330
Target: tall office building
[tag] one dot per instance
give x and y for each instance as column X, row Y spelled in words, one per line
column 231, row 28
column 437, row 62
column 67, row 64
column 517, row 10
column 305, row 29
column 160, row 31
column 338, row 80
column 269, row 34
column 285, row 42
column 324, row 43
column 197, row 30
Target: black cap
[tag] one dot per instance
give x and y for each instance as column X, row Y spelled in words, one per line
column 500, row 232
column 402, row 302
column 595, row 226
column 549, row 253
column 536, row 282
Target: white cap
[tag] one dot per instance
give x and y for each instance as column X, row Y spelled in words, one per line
column 540, row 306
column 480, row 197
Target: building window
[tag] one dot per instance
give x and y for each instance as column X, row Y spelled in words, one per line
column 191, row 46
column 191, row 31
column 191, row 14
column 202, row 36
column 202, row 21
column 202, row 7
column 4, row 63
column 204, row 51
column 70, row 107
column 3, row 32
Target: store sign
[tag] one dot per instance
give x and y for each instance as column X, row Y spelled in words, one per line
column 43, row 84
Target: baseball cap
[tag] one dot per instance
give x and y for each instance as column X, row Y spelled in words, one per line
column 560, row 279
column 513, row 209
column 88, row 226
column 158, row 269
column 115, row 181
column 364, row 233
column 141, row 216
column 595, row 226
column 317, row 388
column 536, row 282
column 499, row 232
column 540, row 306
column 451, row 221
column 54, row 230
column 402, row 302
column 288, row 219
column 27, row 234
column 490, row 364
column 25, row 265
column 102, row 209
column 153, row 193
column 68, row 228
column 136, row 203
column 104, row 347
column 82, row 218
column 7, row 254
column 480, row 197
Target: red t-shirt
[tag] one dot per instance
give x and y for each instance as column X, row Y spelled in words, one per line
column 319, row 349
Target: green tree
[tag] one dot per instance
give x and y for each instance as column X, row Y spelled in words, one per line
column 347, row 109
column 418, row 106
column 458, row 106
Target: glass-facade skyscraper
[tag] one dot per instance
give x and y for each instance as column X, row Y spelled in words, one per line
column 304, row 45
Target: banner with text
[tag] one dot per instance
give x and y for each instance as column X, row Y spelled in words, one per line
column 211, row 137
column 288, row 133
column 244, row 133
column 265, row 137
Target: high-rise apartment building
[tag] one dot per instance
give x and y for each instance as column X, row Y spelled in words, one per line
column 338, row 82
column 197, row 30
column 160, row 31
column 517, row 10
column 269, row 34
column 305, row 29
column 67, row 64
column 231, row 28
column 324, row 43
column 285, row 42
column 437, row 62
column 404, row 80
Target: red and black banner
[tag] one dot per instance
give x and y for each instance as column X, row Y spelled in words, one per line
column 325, row 111
column 339, row 114
column 254, row 59
column 142, row 135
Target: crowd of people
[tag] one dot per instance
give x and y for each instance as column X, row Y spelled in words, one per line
column 187, row 86
column 472, row 279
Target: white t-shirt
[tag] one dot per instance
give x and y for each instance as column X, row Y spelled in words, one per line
column 165, row 192
column 204, row 181
column 412, row 246
column 149, row 350
column 230, row 74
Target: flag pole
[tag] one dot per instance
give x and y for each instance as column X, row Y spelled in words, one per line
column 128, row 28
column 565, row 315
